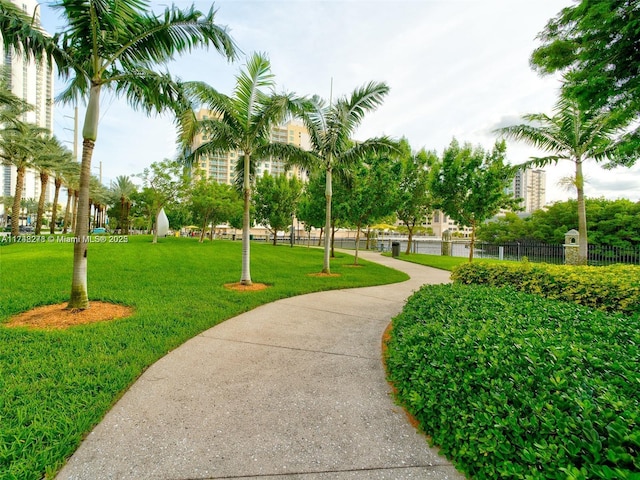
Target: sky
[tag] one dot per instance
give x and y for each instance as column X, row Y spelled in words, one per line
column 455, row 68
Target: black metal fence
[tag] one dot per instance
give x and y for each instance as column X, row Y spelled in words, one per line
column 516, row 251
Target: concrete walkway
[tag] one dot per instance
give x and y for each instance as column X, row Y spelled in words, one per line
column 293, row 389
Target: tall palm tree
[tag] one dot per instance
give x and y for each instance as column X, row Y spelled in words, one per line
column 331, row 128
column 122, row 190
column 574, row 135
column 19, row 145
column 241, row 123
column 112, row 44
column 72, row 182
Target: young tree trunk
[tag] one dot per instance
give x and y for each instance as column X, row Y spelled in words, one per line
column 67, row 211
column 204, row 226
column 17, row 199
column 275, row 237
column 472, row 244
column 155, row 226
column 54, row 207
column 583, row 248
column 355, row 261
column 320, row 237
column 44, row 178
column 333, row 241
column 410, row 228
column 74, row 211
column 245, row 279
column 326, row 266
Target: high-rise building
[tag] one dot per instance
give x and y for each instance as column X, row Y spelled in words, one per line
column 31, row 81
column 221, row 166
column 530, row 186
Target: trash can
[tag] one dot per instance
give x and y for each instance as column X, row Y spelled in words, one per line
column 395, row 249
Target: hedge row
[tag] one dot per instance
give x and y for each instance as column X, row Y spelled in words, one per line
column 512, row 385
column 615, row 288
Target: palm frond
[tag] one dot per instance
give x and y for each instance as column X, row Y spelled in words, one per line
column 248, row 95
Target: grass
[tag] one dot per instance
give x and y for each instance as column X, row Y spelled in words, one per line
column 56, row 385
column 438, row 261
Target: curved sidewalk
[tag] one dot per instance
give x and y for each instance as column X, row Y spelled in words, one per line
column 293, row 389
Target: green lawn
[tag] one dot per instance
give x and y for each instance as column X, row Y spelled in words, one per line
column 56, row 385
column 438, row 261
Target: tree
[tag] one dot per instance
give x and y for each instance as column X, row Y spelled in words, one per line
column 241, row 123
column 212, row 202
column 595, row 43
column 330, row 129
column 312, row 203
column 121, row 191
column 19, row 145
column 574, row 135
column 163, row 182
column 413, row 200
column 372, row 195
column 275, row 202
column 504, row 229
column 469, row 185
column 113, row 44
column 60, row 171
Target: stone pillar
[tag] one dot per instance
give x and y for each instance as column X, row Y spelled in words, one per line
column 446, row 244
column 571, row 243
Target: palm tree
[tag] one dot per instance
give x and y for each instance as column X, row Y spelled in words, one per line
column 112, row 44
column 72, row 182
column 60, row 171
column 45, row 163
column 19, row 144
column 331, row 128
column 574, row 135
column 241, row 123
column 122, row 190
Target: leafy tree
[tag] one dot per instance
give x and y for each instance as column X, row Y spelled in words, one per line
column 574, row 135
column 163, row 182
column 372, row 195
column 312, row 203
column 504, row 229
column 469, row 185
column 212, row 202
column 112, row 44
column 413, row 200
column 595, row 43
column 330, row 129
column 243, row 123
column 275, row 201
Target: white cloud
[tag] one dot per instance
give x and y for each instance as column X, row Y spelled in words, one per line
column 455, row 68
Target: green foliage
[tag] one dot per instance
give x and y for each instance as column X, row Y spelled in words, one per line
column 595, row 45
column 56, row 385
column 513, row 385
column 613, row 288
column 275, row 201
column 611, row 223
column 211, row 202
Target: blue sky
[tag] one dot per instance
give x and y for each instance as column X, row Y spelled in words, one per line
column 456, row 68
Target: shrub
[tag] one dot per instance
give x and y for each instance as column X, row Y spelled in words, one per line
column 614, row 288
column 512, row 385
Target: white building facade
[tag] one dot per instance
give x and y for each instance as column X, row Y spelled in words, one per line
column 34, row 83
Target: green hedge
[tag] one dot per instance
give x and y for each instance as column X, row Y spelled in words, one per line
column 615, row 288
column 512, row 385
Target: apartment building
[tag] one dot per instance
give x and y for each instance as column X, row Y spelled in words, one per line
column 530, row 185
column 33, row 82
column 221, row 166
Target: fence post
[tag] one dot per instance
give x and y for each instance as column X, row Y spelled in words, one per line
column 447, row 244
column 571, row 243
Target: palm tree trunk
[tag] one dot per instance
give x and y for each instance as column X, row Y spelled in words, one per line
column 67, row 211
column 54, row 207
column 74, row 211
column 245, row 279
column 583, row 247
column 44, row 178
column 326, row 266
column 17, row 199
column 79, row 295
